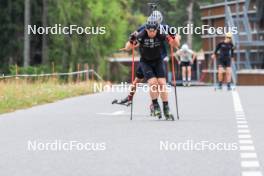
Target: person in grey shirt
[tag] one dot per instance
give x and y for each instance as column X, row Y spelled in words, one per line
column 187, row 57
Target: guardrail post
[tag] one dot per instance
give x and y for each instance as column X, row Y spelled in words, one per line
column 78, row 74
column 93, row 72
column 86, row 73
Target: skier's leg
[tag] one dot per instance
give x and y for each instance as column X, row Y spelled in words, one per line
column 150, row 76
column 128, row 99
column 164, row 97
column 228, row 77
column 160, row 73
column 133, row 87
column 184, row 75
column 189, row 71
column 154, row 94
column 139, row 79
column 163, row 89
column 153, row 86
column 220, row 76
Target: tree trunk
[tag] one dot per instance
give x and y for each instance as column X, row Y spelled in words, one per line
column 44, row 36
column 190, row 21
column 26, row 35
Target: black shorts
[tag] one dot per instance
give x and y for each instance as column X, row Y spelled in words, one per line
column 139, row 72
column 185, row 64
column 224, row 62
column 153, row 69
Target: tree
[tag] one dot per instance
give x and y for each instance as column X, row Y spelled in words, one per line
column 44, row 37
column 26, row 35
column 190, row 21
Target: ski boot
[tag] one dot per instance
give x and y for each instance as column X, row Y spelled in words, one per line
column 184, row 83
column 219, row 86
column 151, row 110
column 157, row 111
column 229, row 88
column 126, row 101
column 189, row 84
column 168, row 115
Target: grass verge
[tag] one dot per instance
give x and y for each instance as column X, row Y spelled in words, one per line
column 20, row 94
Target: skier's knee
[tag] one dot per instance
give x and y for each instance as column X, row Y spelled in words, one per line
column 161, row 81
column 153, row 81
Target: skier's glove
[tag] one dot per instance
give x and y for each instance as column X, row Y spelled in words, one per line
column 169, row 39
column 132, row 38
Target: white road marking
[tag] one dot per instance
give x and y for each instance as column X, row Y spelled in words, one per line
column 240, row 115
column 250, row 164
column 245, row 141
column 243, row 131
column 246, row 144
column 240, row 118
column 116, row 113
column 248, row 155
column 247, row 148
column 244, row 136
column 242, row 122
column 242, row 126
column 251, row 173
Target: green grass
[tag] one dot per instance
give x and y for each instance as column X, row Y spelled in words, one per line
column 20, row 94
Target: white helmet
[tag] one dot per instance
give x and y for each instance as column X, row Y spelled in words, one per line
column 185, row 47
column 157, row 15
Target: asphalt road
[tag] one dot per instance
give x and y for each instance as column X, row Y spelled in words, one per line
column 120, row 147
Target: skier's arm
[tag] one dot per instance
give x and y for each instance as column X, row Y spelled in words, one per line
column 177, row 41
column 193, row 57
column 172, row 41
column 232, row 54
column 178, row 55
column 129, row 44
column 216, row 50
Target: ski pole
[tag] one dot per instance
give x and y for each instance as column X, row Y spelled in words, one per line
column 215, row 72
column 132, row 78
column 174, row 81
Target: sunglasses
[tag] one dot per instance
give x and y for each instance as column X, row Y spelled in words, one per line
column 152, row 30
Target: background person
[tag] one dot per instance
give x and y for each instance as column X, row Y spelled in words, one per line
column 187, row 57
column 225, row 58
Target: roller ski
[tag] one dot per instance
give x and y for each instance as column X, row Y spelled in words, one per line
column 230, row 87
column 151, row 110
column 219, row 86
column 155, row 111
column 168, row 115
column 126, row 101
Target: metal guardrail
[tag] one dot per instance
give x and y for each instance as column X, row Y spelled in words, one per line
column 52, row 74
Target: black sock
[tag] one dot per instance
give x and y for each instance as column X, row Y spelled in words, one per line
column 220, row 83
column 155, row 101
column 165, row 103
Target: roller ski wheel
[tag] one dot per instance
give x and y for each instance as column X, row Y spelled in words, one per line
column 218, row 87
column 157, row 111
column 151, row 110
column 168, row 115
column 125, row 102
column 230, row 87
